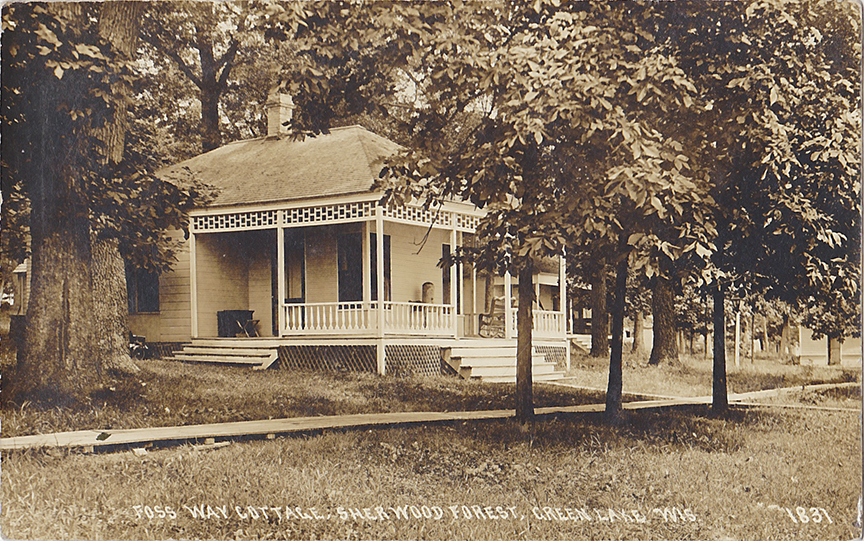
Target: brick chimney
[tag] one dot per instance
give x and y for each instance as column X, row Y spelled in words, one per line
column 280, row 110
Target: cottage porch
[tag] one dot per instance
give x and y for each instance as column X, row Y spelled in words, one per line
column 313, row 274
column 314, row 271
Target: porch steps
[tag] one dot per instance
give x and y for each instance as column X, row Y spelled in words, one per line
column 258, row 353
column 495, row 361
column 581, row 341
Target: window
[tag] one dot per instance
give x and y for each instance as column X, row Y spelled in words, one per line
column 142, row 287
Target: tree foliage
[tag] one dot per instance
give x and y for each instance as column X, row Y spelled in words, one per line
column 63, row 85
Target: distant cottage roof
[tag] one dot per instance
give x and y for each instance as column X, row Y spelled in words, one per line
column 345, row 161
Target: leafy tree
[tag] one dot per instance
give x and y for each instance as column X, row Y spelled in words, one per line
column 63, row 102
column 206, row 42
column 783, row 130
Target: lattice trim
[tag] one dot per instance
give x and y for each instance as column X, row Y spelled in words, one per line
column 323, row 214
column 329, row 213
column 467, row 221
column 417, row 214
column 236, row 221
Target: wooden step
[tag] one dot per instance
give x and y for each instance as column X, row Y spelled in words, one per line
column 462, row 352
column 498, row 361
column 248, row 343
column 245, row 352
column 217, row 359
column 506, row 370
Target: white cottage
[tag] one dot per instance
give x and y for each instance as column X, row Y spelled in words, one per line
column 296, row 261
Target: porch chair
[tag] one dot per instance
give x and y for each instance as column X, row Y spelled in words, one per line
column 249, row 327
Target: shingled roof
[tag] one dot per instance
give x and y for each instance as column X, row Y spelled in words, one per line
column 345, row 161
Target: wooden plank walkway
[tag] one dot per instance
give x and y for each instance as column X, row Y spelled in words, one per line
column 93, row 439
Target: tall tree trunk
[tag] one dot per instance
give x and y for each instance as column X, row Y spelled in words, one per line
column 489, row 292
column 720, row 401
column 753, row 336
column 765, row 343
column 665, row 348
column 638, row 333
column 56, row 361
column 599, row 312
column 835, row 346
column 111, row 308
column 524, row 325
column 57, row 358
column 615, row 387
column 118, row 24
column 785, row 343
column 210, row 91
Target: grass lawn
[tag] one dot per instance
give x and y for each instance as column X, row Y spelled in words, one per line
column 693, row 375
column 657, row 475
column 671, row 474
column 168, row 393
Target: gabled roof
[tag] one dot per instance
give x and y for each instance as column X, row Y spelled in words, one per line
column 345, row 161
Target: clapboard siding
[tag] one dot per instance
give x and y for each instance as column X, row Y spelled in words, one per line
column 322, row 282
column 411, row 269
column 260, row 288
column 173, row 322
column 222, row 276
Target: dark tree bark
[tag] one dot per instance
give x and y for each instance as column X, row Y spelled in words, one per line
column 599, row 312
column 616, row 384
column 524, row 357
column 57, row 354
column 210, row 93
column 212, row 78
column 489, row 292
column 111, row 308
column 665, row 348
column 720, row 402
column 118, row 25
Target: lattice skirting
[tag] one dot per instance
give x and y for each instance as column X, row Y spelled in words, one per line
column 554, row 354
column 332, row 358
column 413, row 360
column 402, row 359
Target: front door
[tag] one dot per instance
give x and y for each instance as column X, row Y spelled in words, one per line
column 350, row 261
column 295, row 273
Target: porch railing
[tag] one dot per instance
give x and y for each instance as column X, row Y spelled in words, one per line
column 547, row 324
column 418, row 318
column 361, row 318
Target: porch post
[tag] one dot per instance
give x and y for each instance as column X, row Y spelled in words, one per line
column 193, row 284
column 474, row 289
column 280, row 275
column 563, row 300
column 508, row 308
column 454, row 286
column 379, row 265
